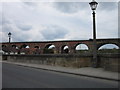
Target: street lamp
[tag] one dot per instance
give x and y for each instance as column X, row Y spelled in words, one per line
column 93, row 6
column 9, row 35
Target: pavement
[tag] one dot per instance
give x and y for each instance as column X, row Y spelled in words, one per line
column 85, row 71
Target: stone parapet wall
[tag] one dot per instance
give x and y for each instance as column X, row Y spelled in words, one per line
column 65, row 60
column 109, row 62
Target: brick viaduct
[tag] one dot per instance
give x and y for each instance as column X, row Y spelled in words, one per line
column 40, row 46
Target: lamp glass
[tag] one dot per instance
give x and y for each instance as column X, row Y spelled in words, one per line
column 9, row 34
column 93, row 5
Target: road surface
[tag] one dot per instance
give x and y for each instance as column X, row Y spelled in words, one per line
column 14, row 76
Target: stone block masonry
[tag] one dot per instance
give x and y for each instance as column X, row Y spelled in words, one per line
column 109, row 62
column 75, row 61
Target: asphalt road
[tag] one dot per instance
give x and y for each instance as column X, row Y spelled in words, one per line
column 14, row 76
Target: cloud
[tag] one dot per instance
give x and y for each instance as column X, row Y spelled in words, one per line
column 31, row 21
column 54, row 32
column 3, row 20
column 107, row 24
column 70, row 7
column 24, row 27
column 30, row 3
column 74, row 7
column 0, row 18
column 107, row 6
column 26, row 32
column 9, row 25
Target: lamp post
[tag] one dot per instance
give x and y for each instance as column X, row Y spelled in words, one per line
column 93, row 6
column 9, row 36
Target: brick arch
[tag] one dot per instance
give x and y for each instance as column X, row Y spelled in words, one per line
column 101, row 44
column 24, row 50
column 48, row 45
column 66, row 50
column 46, row 50
column 14, row 48
column 4, row 48
column 37, row 46
column 35, row 49
column 24, row 46
column 13, row 45
column 81, row 43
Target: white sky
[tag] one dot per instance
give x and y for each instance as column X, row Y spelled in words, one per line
column 41, row 21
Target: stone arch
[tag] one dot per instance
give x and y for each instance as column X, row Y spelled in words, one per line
column 65, row 49
column 81, row 48
column 49, row 49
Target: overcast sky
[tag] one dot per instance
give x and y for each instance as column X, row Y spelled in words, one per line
column 41, row 21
